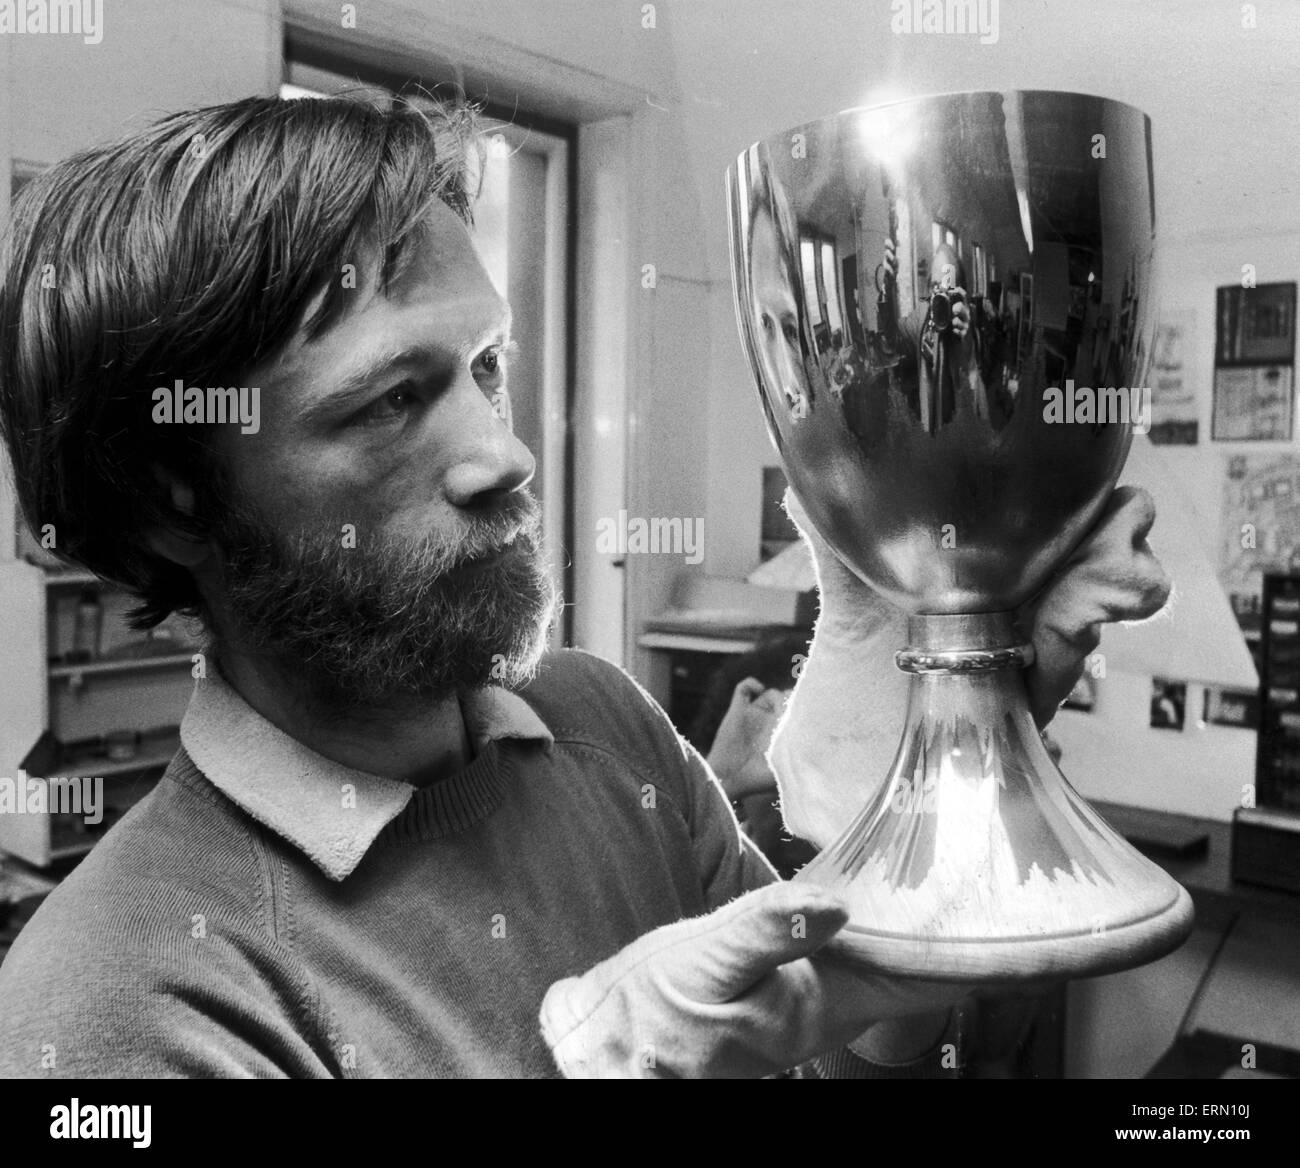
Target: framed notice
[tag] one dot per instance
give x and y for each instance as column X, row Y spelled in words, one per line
column 1168, row 704
column 1260, row 528
column 1255, row 326
column 1254, row 363
column 1253, row 403
column 1232, row 707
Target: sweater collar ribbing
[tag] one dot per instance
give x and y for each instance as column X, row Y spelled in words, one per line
column 334, row 813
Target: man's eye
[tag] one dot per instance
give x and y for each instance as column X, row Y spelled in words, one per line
column 394, row 404
column 491, row 363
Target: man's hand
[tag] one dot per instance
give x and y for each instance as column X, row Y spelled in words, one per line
column 733, row 994
column 739, row 753
column 838, row 736
column 960, row 310
column 1112, row 576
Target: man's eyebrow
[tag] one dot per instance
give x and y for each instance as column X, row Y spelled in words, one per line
column 362, row 377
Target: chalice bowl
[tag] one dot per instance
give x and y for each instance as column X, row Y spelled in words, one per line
column 947, row 307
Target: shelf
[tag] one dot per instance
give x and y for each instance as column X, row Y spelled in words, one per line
column 125, row 665
column 137, row 684
column 158, row 753
column 106, row 769
column 697, row 644
column 70, row 578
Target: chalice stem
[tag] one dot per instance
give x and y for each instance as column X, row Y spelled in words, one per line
column 976, row 860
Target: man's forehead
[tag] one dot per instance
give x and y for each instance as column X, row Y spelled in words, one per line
column 440, row 296
column 768, row 272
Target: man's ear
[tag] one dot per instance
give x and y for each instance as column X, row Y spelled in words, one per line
column 185, row 550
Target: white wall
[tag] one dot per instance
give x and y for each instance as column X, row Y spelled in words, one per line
column 156, row 56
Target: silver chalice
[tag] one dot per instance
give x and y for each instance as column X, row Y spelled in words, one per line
column 947, row 306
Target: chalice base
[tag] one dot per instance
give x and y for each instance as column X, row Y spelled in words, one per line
column 976, row 860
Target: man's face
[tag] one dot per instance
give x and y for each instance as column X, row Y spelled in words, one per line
column 775, row 310
column 380, row 539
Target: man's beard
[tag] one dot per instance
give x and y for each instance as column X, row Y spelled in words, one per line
column 388, row 620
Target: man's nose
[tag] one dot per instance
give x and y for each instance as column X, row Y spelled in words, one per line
column 490, row 460
column 788, row 370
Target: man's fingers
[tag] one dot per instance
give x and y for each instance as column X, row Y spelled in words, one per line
column 1118, row 557
column 1137, row 509
column 1127, row 519
column 879, row 995
column 1112, row 576
column 1058, row 663
column 1154, row 590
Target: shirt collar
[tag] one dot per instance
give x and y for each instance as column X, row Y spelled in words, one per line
column 330, row 812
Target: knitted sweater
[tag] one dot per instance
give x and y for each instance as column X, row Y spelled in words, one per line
column 267, row 912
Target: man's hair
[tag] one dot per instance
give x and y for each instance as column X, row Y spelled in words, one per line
column 191, row 251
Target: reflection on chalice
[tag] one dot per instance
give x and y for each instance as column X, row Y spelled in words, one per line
column 914, row 282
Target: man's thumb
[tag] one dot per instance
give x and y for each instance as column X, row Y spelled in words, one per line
column 760, row 932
